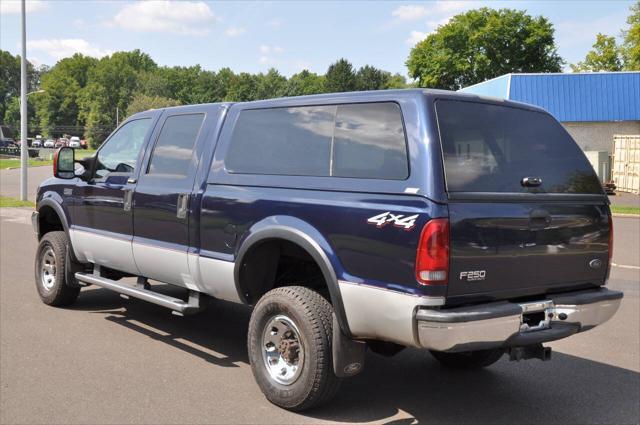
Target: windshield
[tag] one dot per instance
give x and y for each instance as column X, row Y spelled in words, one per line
column 493, row 148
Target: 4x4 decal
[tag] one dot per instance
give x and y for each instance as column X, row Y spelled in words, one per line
column 398, row 220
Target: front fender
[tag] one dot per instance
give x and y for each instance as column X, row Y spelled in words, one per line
column 306, row 236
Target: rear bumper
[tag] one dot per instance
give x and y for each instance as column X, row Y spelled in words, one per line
column 506, row 324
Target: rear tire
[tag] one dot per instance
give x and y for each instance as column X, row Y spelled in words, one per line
column 289, row 342
column 468, row 360
column 51, row 274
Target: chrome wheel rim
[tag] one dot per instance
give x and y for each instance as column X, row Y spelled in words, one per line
column 48, row 269
column 282, row 350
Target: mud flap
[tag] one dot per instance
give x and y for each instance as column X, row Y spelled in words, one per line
column 348, row 355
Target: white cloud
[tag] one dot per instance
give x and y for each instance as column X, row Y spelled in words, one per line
column 431, row 9
column 234, row 31
column 415, row 37
column 409, row 12
column 265, row 50
column 178, row 17
column 64, row 47
column 11, row 7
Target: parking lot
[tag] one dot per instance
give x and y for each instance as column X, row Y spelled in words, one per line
column 110, row 360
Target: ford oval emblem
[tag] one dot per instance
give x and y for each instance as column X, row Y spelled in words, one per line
column 595, row 264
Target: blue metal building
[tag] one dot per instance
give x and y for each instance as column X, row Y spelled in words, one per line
column 593, row 106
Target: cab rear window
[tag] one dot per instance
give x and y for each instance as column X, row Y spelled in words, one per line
column 492, row 148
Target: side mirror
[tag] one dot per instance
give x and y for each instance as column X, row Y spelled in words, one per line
column 64, row 163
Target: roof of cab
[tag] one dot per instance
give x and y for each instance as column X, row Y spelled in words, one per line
column 364, row 96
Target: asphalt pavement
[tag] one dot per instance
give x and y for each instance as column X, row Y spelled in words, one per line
column 109, row 360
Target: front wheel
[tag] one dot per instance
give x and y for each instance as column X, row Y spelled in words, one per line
column 51, row 274
column 289, row 343
column 468, row 359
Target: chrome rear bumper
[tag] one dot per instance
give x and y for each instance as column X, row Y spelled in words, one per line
column 506, row 324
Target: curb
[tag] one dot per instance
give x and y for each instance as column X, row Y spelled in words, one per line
column 625, row 215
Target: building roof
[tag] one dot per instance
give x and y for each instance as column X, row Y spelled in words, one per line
column 592, row 96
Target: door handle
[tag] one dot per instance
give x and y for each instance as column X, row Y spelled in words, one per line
column 183, row 205
column 128, row 199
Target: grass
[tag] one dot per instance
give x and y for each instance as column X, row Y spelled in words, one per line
column 620, row 209
column 36, row 162
column 13, row 202
column 15, row 163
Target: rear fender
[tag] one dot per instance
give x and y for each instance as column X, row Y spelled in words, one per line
column 307, row 237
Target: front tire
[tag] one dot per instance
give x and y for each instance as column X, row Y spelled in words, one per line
column 289, row 342
column 469, row 359
column 51, row 266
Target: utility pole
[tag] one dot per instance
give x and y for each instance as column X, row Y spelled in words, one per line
column 24, row 146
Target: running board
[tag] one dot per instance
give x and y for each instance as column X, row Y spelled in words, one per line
column 142, row 291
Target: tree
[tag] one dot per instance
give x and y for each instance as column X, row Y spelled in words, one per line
column 111, row 84
column 631, row 43
column 482, row 44
column 272, row 84
column 142, row 102
column 340, row 77
column 58, row 105
column 10, row 79
column 605, row 56
column 371, row 78
column 304, row 83
column 12, row 116
column 243, row 88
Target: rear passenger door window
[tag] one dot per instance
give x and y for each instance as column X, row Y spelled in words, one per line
column 365, row 140
column 173, row 152
column 369, row 142
column 282, row 141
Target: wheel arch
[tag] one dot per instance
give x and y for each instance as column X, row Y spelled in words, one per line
column 305, row 236
column 51, row 217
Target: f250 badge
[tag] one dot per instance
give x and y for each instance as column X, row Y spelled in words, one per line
column 398, row 220
column 473, row 275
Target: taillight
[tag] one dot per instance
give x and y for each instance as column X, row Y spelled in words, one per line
column 432, row 260
column 610, row 238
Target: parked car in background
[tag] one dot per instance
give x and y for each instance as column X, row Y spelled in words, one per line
column 37, row 143
column 84, row 144
column 61, row 142
column 49, row 143
column 74, row 142
column 6, row 137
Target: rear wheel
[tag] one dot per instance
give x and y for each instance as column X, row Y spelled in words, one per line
column 289, row 343
column 51, row 274
column 468, row 359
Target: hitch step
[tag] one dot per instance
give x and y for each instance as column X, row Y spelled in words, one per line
column 142, row 291
column 536, row 351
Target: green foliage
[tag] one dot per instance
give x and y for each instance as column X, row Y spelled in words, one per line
column 605, row 56
column 59, row 102
column 12, row 115
column 482, row 44
column 10, row 79
column 371, row 78
column 304, row 83
column 631, row 43
column 142, row 102
column 340, row 77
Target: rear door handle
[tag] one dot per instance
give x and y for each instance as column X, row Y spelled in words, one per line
column 183, row 205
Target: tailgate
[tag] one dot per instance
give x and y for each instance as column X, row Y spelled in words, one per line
column 516, row 249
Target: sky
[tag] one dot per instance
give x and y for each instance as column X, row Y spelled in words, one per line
column 289, row 35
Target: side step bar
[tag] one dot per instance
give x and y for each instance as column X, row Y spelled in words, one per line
column 142, row 292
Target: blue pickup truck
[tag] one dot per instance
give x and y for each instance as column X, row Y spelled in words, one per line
column 467, row 226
